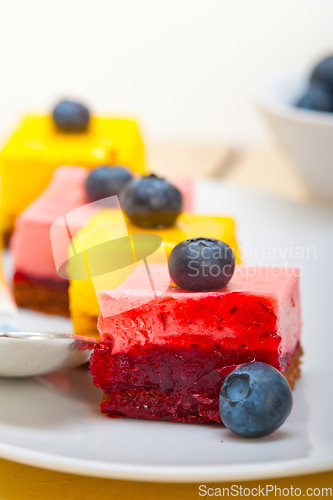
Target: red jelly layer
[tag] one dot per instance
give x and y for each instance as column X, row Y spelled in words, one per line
column 169, row 383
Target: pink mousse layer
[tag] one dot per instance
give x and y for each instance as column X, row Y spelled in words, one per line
column 31, row 244
column 258, row 309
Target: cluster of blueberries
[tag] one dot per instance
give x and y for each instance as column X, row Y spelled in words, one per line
column 151, row 202
column 319, row 95
column 255, row 398
column 148, row 201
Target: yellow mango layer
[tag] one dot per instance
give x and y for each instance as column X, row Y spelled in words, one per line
column 83, row 304
column 38, row 147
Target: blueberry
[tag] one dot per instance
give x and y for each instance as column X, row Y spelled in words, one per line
column 151, row 202
column 317, row 98
column 255, row 400
column 201, row 264
column 323, row 72
column 71, row 116
column 106, row 181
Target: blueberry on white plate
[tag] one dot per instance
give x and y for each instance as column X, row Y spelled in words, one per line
column 255, row 400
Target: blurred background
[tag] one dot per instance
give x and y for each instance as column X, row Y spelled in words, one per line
column 185, row 68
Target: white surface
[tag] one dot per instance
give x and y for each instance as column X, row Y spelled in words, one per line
column 54, row 422
column 185, row 68
column 306, row 135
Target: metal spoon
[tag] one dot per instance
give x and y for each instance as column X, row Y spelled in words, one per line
column 25, row 354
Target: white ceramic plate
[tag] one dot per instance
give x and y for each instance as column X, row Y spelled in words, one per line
column 54, row 421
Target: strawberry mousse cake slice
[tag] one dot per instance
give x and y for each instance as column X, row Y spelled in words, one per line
column 164, row 353
column 37, row 284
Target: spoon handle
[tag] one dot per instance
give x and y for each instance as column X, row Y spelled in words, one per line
column 84, row 343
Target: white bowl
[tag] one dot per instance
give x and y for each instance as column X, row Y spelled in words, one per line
column 306, row 135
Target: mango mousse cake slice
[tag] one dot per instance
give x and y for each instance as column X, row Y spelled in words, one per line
column 84, row 307
column 39, row 145
column 166, row 357
column 36, row 283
